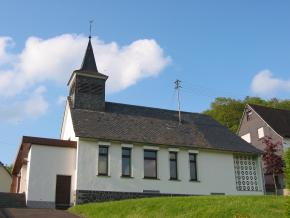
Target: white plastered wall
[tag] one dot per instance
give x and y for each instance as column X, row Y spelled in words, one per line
column 5, row 180
column 46, row 162
column 215, row 172
column 27, row 173
column 67, row 130
column 68, row 133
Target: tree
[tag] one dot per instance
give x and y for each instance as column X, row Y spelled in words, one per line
column 272, row 161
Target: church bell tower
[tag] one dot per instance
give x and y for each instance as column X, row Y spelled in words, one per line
column 87, row 85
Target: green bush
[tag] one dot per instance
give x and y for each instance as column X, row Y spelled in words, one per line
column 287, row 167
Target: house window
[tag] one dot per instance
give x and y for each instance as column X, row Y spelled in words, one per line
column 192, row 167
column 173, row 165
column 150, row 164
column 261, row 132
column 247, row 137
column 246, row 173
column 126, row 162
column 103, row 160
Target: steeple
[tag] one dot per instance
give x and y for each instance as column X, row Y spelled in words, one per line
column 87, row 85
column 89, row 63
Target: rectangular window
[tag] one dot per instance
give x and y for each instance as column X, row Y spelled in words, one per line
column 192, row 167
column 150, row 164
column 261, row 132
column 103, row 160
column 126, row 162
column 173, row 165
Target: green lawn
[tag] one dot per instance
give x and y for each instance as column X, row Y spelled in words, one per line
column 197, row 206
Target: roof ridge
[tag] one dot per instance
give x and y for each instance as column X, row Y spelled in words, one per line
column 155, row 108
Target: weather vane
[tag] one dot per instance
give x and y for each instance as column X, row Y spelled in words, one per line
column 91, row 21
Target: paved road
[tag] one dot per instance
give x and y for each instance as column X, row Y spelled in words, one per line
column 34, row 213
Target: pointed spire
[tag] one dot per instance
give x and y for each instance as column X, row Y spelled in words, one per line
column 89, row 63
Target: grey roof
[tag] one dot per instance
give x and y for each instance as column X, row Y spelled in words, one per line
column 89, row 65
column 278, row 119
column 130, row 123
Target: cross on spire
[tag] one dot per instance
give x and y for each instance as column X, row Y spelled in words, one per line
column 91, row 21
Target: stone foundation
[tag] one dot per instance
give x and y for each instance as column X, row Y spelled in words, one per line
column 86, row 196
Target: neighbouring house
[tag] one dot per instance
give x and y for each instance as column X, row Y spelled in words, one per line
column 260, row 121
column 5, row 179
column 111, row 151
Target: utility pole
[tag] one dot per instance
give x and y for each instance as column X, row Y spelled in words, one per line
column 177, row 87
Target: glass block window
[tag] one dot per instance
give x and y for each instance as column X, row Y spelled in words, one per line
column 246, row 173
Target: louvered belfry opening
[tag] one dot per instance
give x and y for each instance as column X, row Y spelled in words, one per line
column 87, row 85
column 89, row 93
column 90, row 87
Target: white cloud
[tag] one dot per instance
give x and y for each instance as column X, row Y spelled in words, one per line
column 54, row 59
column 265, row 84
column 33, row 107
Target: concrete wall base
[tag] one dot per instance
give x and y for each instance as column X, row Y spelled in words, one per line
column 40, row 204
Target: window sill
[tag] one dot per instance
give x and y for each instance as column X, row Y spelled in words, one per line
column 151, row 178
column 194, row 180
column 175, row 180
column 127, row 177
column 103, row 175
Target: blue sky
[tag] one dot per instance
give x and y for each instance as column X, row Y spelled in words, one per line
column 216, row 48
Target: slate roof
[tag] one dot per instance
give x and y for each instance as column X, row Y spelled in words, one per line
column 89, row 65
column 137, row 124
column 278, row 119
